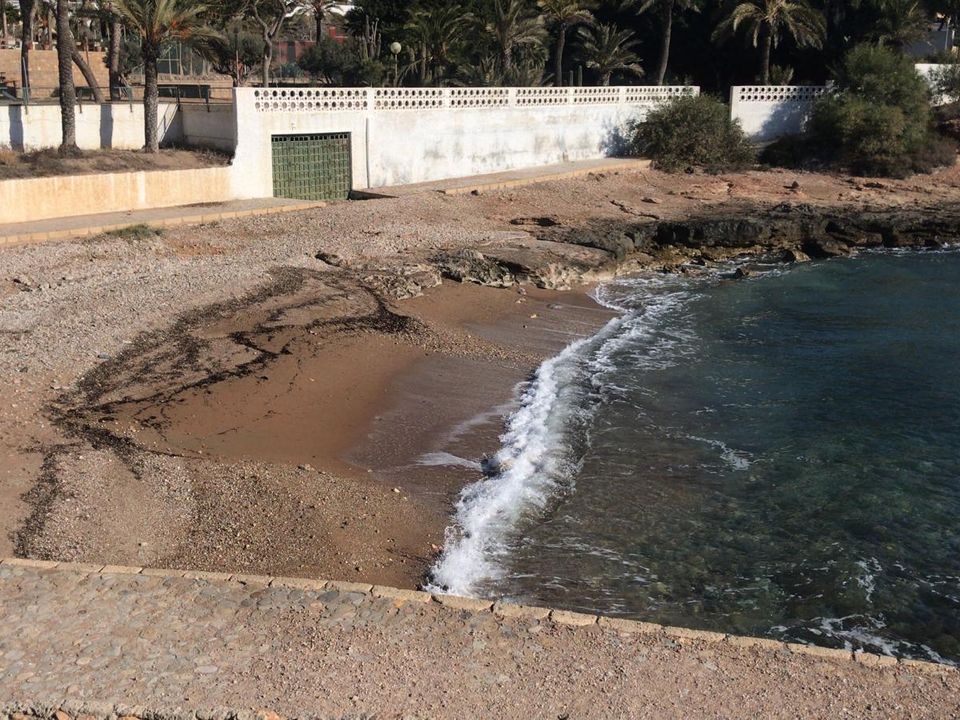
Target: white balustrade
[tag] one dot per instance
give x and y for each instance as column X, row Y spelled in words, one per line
column 341, row 99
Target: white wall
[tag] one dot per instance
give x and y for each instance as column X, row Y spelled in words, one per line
column 210, row 126
column 415, row 135
column 766, row 112
column 115, row 125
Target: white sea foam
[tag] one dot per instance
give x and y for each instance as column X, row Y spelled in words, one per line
column 534, row 465
column 448, row 459
column 536, row 460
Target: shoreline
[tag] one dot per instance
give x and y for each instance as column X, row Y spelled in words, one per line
column 97, row 335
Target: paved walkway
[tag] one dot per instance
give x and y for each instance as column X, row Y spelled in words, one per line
column 159, row 644
column 84, row 225
column 88, row 225
column 514, row 178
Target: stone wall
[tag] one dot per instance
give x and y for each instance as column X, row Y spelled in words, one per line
column 68, row 195
column 44, row 77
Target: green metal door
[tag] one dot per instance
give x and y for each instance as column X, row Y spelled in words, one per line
column 312, row 167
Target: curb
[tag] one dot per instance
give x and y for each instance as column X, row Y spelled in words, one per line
column 500, row 609
column 487, row 187
column 92, row 230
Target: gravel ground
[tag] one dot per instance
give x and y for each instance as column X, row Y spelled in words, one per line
column 165, row 643
column 68, row 308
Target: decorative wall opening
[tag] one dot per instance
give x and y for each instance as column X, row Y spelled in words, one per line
column 312, row 167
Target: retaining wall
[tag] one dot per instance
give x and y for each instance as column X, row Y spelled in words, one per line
column 401, row 136
column 68, row 195
column 766, row 112
column 112, row 125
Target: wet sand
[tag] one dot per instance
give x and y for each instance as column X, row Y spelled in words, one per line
column 335, row 411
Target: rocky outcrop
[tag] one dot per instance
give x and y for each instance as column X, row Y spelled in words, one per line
column 553, row 256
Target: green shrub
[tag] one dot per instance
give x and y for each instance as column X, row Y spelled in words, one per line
column 693, row 131
column 946, row 82
column 876, row 122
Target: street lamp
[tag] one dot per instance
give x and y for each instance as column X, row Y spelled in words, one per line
column 395, row 48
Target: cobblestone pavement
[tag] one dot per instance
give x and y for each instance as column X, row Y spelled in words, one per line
column 117, row 641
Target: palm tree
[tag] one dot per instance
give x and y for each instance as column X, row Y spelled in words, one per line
column 608, row 49
column 320, row 9
column 565, row 14
column 512, row 27
column 433, row 32
column 901, row 22
column 158, row 22
column 765, row 22
column 666, row 8
column 68, row 92
column 26, row 42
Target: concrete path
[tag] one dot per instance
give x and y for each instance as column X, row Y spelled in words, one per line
column 89, row 225
column 84, row 225
column 514, row 178
column 108, row 642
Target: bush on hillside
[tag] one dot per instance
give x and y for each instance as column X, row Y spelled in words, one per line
column 877, row 122
column 693, row 131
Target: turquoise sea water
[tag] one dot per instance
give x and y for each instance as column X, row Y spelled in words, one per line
column 778, row 456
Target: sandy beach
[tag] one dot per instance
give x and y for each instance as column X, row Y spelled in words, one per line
column 256, row 395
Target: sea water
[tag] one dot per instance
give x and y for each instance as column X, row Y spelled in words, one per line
column 776, row 456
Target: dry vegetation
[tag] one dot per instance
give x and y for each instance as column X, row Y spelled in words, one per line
column 45, row 163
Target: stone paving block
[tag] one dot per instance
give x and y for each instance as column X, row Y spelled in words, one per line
column 380, row 591
column 527, row 612
column 822, row 652
column 630, row 626
column 927, row 668
column 85, row 568
column 247, row 579
column 164, row 572
column 29, row 563
column 205, row 575
column 300, row 583
column 567, row 617
column 691, row 634
column 120, row 570
column 755, row 642
column 874, row 660
column 464, row 603
column 349, row 587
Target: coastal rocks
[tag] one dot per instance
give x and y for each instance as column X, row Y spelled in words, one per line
column 474, row 267
column 404, row 282
column 825, row 248
column 795, row 255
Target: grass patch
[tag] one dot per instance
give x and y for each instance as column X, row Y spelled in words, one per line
column 134, row 233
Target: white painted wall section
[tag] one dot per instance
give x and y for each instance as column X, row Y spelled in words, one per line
column 767, row 112
column 114, row 125
column 404, row 135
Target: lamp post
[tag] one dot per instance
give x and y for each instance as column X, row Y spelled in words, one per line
column 395, row 48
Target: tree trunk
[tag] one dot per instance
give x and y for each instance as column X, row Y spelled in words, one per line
column 319, row 11
column 88, row 75
column 605, row 78
column 51, row 20
column 267, row 59
column 665, row 45
column 151, row 99
column 68, row 93
column 26, row 42
column 113, row 57
column 3, row 16
column 558, row 60
column 765, row 57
